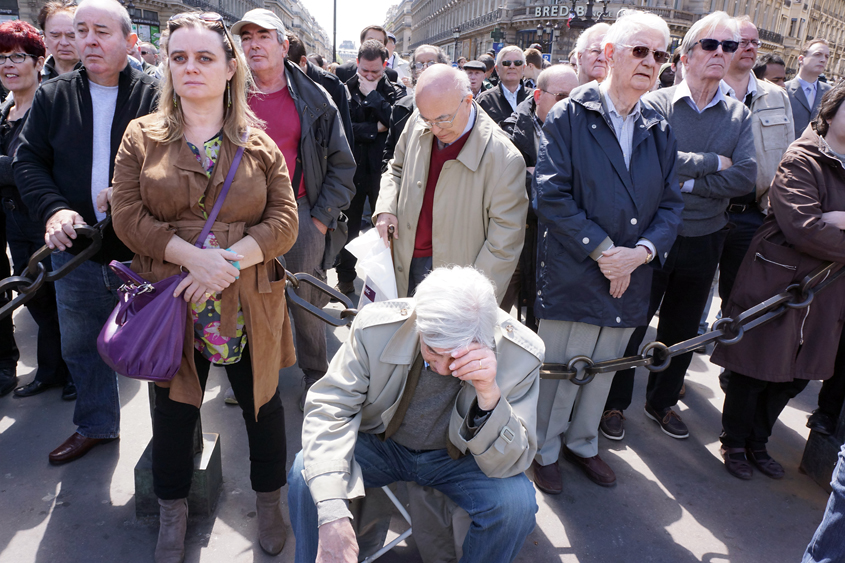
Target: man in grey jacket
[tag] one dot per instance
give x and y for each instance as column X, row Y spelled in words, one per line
column 806, row 90
column 440, row 389
column 305, row 124
column 715, row 163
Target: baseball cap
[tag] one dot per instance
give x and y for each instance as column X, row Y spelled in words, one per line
column 264, row 19
column 391, row 36
column 475, row 65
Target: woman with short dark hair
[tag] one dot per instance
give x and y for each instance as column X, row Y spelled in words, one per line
column 804, row 229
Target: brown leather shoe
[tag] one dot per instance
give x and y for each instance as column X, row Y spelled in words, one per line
column 594, row 468
column 763, row 461
column 736, row 463
column 75, row 447
column 547, row 478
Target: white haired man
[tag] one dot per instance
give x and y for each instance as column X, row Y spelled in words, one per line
column 592, row 63
column 501, row 101
column 601, row 144
column 455, row 188
column 806, row 90
column 63, row 169
column 440, row 390
column 715, row 163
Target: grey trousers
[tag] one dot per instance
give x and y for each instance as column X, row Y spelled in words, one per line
column 568, row 413
column 306, row 256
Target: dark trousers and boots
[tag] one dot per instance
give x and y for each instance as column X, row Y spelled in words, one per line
column 366, row 186
column 9, row 353
column 173, row 459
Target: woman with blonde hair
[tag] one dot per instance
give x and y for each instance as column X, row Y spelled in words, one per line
column 168, row 175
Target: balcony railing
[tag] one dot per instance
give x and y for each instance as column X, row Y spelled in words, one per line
column 771, row 36
column 465, row 27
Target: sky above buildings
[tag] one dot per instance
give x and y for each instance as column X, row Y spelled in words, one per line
column 352, row 15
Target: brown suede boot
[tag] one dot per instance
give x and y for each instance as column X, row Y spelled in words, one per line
column 271, row 526
column 173, row 523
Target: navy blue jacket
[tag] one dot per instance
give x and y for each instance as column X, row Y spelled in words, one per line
column 583, row 194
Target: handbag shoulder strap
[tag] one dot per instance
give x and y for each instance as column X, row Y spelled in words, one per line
column 212, row 217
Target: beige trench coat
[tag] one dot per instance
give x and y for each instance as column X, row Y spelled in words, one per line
column 480, row 204
column 366, row 378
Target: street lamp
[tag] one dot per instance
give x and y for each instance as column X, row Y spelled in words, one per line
column 549, row 30
column 456, row 35
column 588, row 19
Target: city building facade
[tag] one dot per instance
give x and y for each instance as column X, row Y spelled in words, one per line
column 470, row 28
column 398, row 21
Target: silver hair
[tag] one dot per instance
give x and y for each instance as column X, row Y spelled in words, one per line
column 589, row 35
column 462, row 84
column 630, row 22
column 118, row 11
column 456, row 306
column 553, row 72
column 707, row 25
column 507, row 50
column 438, row 52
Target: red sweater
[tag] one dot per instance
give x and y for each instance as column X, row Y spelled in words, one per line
column 278, row 110
column 439, row 157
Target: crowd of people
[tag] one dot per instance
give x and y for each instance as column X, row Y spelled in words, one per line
column 535, row 212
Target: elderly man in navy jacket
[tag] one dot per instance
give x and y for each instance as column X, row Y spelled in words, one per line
column 600, row 224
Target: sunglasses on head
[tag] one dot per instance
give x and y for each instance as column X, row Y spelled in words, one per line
column 509, row 63
column 209, row 17
column 641, row 52
column 728, row 46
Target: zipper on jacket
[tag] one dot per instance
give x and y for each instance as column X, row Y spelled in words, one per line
column 801, row 336
column 787, row 266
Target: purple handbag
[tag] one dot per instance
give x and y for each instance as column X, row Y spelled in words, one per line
column 145, row 334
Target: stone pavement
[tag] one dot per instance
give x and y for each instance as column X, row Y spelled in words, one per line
column 674, row 501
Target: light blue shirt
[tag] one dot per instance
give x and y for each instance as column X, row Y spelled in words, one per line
column 809, row 89
column 623, row 127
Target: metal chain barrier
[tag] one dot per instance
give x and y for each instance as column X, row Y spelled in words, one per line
column 654, row 356
column 35, row 275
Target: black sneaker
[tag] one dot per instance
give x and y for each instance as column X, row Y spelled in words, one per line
column 670, row 422
column 822, row 423
column 611, row 424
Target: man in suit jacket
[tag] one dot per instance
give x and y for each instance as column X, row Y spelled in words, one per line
column 348, row 70
column 501, row 101
column 805, row 91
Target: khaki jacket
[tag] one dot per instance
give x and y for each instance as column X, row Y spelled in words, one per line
column 774, row 131
column 156, row 193
column 480, row 204
column 366, row 378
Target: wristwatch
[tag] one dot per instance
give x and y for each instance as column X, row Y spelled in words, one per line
column 649, row 254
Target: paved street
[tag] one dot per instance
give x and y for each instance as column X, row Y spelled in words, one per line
column 674, row 501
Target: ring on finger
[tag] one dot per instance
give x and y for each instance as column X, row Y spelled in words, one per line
column 480, row 365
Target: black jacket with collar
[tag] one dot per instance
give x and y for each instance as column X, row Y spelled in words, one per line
column 493, row 101
column 337, row 90
column 53, row 163
column 49, row 71
column 366, row 113
column 350, row 69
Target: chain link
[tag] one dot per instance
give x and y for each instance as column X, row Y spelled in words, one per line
column 35, row 275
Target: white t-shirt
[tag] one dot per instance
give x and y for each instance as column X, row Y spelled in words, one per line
column 104, row 102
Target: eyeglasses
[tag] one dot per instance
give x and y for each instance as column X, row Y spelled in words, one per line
column 16, row 58
column 423, row 66
column 641, row 52
column 559, row 96
column 443, row 124
column 514, row 63
column 145, row 52
column 713, row 44
column 746, row 42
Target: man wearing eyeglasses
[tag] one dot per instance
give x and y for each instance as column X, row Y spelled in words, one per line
column 63, row 169
column 455, row 189
column 806, row 90
column 500, row 102
column 525, row 129
column 715, row 163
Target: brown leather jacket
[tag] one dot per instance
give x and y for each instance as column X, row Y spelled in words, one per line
column 156, row 193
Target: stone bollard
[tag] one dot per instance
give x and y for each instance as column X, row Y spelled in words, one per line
column 207, row 479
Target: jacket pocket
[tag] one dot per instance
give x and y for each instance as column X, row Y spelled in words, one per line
column 768, row 270
column 774, row 130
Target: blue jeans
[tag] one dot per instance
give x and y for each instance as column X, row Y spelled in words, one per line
column 828, row 543
column 86, row 297
column 502, row 510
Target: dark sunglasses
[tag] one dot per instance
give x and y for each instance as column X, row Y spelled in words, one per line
column 640, row 52
column 509, row 63
column 713, row 44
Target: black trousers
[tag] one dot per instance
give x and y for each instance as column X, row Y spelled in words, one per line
column 751, row 409
column 832, row 394
column 366, row 186
column 173, row 432
column 742, row 228
column 25, row 237
column 9, row 354
column 682, row 286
